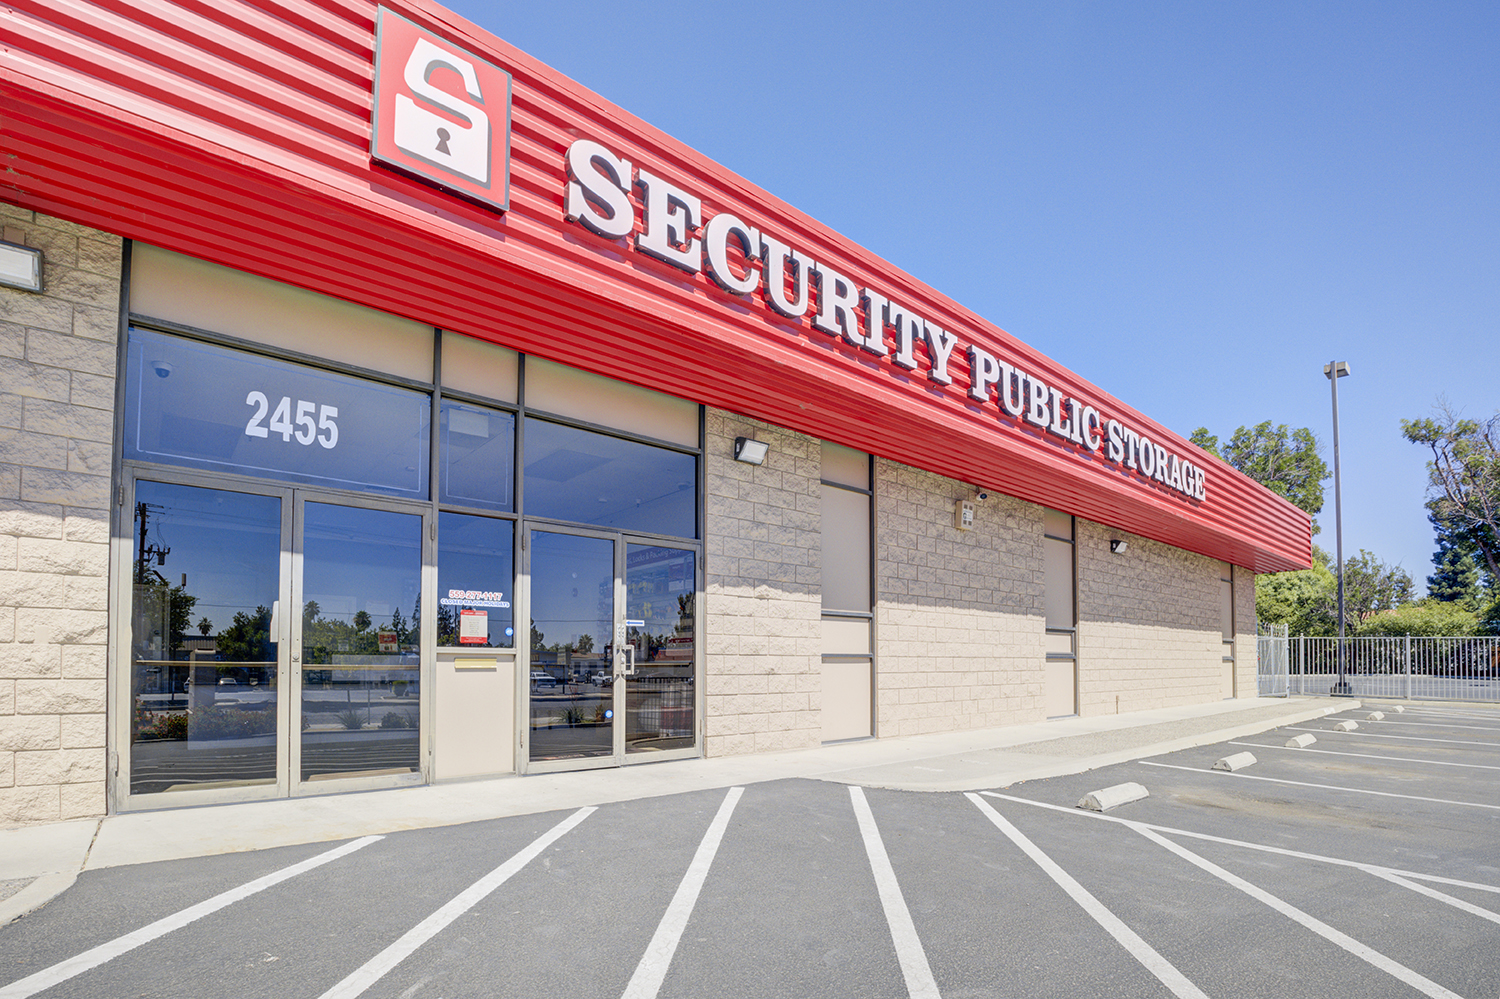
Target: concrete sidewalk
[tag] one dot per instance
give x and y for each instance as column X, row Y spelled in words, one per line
column 37, row 863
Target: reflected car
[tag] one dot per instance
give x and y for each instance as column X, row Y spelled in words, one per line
column 540, row 679
column 603, row 678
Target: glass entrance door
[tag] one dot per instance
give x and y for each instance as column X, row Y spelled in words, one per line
column 274, row 642
column 662, row 632
column 356, row 643
column 570, row 684
column 613, row 650
column 206, row 584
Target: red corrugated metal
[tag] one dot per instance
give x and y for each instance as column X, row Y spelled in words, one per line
column 239, row 133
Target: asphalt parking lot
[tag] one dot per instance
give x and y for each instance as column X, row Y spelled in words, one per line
column 1367, row 864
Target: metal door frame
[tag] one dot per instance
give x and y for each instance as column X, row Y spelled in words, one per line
column 619, row 757
column 426, row 662
column 288, row 630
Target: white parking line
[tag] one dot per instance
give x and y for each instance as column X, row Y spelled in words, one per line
column 1439, row 713
column 652, row 969
column 919, row 981
column 1399, row 971
column 1280, row 851
column 1457, row 903
column 1369, row 756
column 95, row 956
column 1326, row 787
column 1364, row 734
column 378, row 966
column 1423, row 724
column 1139, row 949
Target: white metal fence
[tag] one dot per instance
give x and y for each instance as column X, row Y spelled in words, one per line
column 1272, row 670
column 1456, row 668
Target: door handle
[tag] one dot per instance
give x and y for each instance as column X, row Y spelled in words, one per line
column 629, row 665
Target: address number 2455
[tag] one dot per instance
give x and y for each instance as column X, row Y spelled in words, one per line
column 302, row 427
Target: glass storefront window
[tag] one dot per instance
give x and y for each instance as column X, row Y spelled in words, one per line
column 476, row 569
column 477, row 457
column 587, row 477
column 204, row 581
column 210, row 407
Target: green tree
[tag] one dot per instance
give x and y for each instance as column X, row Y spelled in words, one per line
column 1428, row 618
column 205, row 626
column 447, row 626
column 1457, row 577
column 1284, row 460
column 247, row 639
column 361, row 620
column 1464, row 480
column 1305, row 600
column 1372, row 586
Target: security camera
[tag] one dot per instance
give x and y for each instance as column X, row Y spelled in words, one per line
column 162, row 368
column 981, row 496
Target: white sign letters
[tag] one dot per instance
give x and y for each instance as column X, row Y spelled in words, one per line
column 743, row 261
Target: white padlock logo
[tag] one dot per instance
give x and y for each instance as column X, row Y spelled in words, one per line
column 460, row 149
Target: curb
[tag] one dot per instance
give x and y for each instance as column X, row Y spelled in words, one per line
column 35, row 895
column 1009, row 776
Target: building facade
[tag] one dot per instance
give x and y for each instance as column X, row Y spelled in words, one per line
column 380, row 407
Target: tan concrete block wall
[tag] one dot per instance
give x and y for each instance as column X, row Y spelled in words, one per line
column 763, row 590
column 57, row 399
column 959, row 620
column 1149, row 633
column 1245, row 663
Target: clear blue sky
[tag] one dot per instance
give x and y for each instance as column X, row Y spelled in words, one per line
column 1193, row 205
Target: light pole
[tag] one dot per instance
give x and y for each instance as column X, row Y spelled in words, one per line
column 1334, row 370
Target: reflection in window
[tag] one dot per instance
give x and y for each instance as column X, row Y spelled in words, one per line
column 204, row 406
column 204, row 580
column 360, row 621
column 475, row 572
column 592, row 478
column 659, row 614
column 572, row 617
column 478, row 450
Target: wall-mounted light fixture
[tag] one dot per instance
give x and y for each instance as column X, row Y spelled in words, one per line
column 1118, row 547
column 20, row 267
column 751, row 452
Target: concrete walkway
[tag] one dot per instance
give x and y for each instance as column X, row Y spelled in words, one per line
column 37, row 863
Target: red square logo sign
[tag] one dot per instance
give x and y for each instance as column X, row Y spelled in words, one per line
column 442, row 114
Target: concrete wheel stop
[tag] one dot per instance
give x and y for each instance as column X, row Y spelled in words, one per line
column 1236, row 761
column 1106, row 798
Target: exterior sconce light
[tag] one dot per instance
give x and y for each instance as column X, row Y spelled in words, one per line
column 749, row 451
column 20, row 267
column 1118, row 547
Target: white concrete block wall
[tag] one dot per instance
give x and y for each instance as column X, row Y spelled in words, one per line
column 1149, row 634
column 763, row 590
column 57, row 400
column 959, row 621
